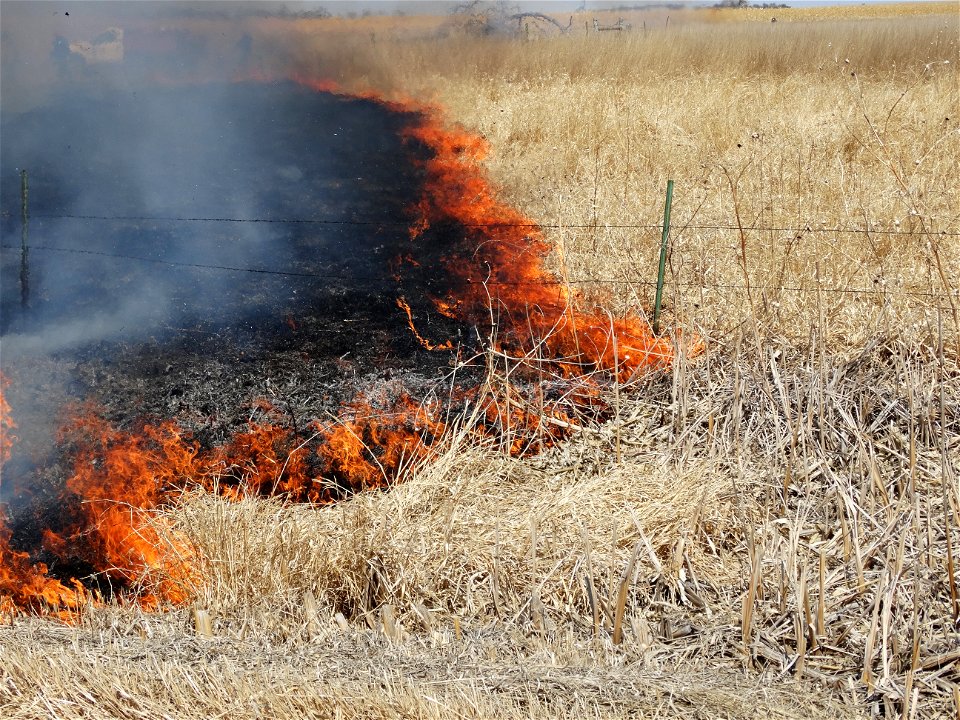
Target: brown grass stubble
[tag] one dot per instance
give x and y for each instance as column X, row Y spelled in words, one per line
column 777, row 537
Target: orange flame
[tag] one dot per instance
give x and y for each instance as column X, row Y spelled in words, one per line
column 7, row 438
column 24, row 584
column 371, row 449
column 405, row 306
column 120, row 477
column 267, row 459
column 496, row 260
column 498, row 263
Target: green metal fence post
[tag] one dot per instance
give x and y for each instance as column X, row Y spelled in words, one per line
column 663, row 258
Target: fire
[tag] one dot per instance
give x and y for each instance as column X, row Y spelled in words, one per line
column 266, row 459
column 494, row 260
column 496, row 265
column 24, row 584
column 119, row 478
column 405, row 306
column 369, row 448
column 485, row 265
column 7, row 438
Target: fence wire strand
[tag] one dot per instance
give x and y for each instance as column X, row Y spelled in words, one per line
column 387, row 281
column 361, row 222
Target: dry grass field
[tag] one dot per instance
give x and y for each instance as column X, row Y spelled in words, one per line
column 768, row 530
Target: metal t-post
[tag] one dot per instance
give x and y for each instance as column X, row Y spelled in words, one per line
column 663, row 258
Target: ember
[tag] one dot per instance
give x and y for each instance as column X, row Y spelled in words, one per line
column 465, row 276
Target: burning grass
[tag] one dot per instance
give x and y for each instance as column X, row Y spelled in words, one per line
column 770, row 530
column 799, row 532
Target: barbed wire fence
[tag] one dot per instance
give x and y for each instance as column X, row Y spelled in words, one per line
column 796, row 232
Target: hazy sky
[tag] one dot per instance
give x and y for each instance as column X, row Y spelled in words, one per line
column 443, row 6
column 342, row 7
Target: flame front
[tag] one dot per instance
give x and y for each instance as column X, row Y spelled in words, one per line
column 497, row 267
column 24, row 583
column 120, row 478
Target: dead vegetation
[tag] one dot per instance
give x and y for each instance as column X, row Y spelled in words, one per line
column 361, row 673
column 770, row 530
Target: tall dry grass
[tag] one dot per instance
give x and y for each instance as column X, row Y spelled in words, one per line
column 770, row 530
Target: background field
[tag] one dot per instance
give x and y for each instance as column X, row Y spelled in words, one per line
column 768, row 530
